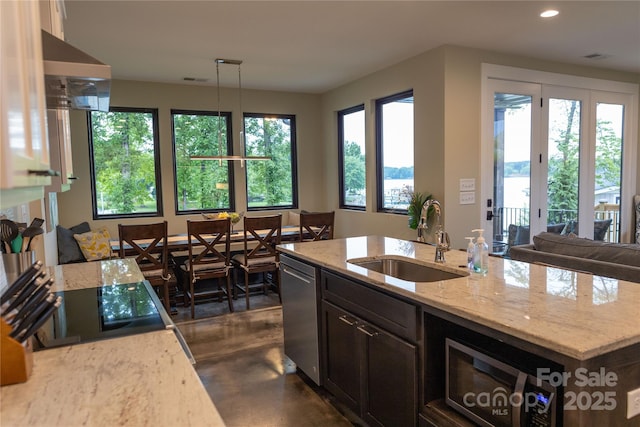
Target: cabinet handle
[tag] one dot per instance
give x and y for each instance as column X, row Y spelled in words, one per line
column 72, row 177
column 347, row 320
column 362, row 329
column 43, row 172
column 297, row 276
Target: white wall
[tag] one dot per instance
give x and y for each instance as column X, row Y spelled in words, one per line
column 424, row 74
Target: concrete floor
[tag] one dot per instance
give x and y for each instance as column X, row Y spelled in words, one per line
column 241, row 362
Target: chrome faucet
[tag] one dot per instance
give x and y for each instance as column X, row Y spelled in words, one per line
column 442, row 237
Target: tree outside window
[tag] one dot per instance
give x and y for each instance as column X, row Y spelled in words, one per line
column 271, row 183
column 125, row 163
column 351, row 152
column 202, row 185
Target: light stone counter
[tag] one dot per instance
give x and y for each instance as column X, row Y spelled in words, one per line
column 575, row 314
column 95, row 274
column 138, row 380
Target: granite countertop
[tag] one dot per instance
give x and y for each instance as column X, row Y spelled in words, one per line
column 94, row 274
column 575, row 314
column 138, row 380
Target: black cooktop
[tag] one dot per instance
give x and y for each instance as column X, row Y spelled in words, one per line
column 99, row 313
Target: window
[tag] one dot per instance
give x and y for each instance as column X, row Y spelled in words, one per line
column 272, row 183
column 394, row 144
column 125, row 163
column 202, row 185
column 351, row 157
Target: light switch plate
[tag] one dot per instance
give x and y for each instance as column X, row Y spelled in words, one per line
column 467, row 197
column 633, row 403
column 467, row 184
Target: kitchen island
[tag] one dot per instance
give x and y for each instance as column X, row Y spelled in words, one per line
column 570, row 320
column 138, row 380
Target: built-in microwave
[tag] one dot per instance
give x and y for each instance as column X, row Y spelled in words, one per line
column 491, row 392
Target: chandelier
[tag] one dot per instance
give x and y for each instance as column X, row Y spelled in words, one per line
column 220, row 157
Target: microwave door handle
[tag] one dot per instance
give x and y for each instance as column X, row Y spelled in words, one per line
column 519, row 391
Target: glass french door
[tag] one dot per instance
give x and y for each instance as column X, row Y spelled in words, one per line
column 515, row 124
column 557, row 162
column 608, row 182
column 565, row 156
column 584, row 162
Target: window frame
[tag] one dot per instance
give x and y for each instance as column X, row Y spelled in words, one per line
column 379, row 103
column 229, row 144
column 341, row 189
column 156, row 154
column 294, row 160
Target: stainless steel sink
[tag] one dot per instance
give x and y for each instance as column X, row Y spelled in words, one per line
column 405, row 269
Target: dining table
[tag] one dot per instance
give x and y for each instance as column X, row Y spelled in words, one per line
column 180, row 242
column 178, row 247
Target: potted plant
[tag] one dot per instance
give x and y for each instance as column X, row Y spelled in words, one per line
column 415, row 208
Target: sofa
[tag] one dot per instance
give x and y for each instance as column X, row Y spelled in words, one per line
column 519, row 234
column 616, row 260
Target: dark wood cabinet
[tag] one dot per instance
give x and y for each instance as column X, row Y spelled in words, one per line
column 369, row 369
column 342, row 359
column 383, row 355
column 390, row 379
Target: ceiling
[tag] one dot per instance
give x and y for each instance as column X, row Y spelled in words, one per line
column 315, row 46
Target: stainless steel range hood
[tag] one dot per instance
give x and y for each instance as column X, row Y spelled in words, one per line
column 73, row 79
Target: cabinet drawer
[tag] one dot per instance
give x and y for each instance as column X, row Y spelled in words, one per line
column 385, row 311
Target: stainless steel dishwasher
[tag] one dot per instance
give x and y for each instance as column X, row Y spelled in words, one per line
column 300, row 315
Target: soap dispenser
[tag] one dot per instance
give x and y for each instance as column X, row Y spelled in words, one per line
column 480, row 254
column 471, row 247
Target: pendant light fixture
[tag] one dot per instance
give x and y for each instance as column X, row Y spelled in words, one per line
column 221, row 157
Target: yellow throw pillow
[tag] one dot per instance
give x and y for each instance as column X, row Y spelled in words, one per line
column 94, row 244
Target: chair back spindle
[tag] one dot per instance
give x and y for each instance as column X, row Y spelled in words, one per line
column 147, row 243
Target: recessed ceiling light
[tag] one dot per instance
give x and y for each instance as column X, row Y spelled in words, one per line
column 549, row 13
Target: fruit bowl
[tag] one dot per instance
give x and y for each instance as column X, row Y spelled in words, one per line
column 235, row 217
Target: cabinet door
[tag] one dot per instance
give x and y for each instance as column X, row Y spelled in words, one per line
column 342, row 355
column 25, row 155
column 52, row 14
column 60, row 149
column 390, row 379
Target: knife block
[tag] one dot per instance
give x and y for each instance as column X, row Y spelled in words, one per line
column 16, row 360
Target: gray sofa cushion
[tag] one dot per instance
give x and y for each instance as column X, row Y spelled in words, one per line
column 617, row 253
column 600, row 228
column 519, row 235
column 556, row 228
column 68, row 249
column 527, row 253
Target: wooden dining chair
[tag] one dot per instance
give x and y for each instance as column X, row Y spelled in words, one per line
column 261, row 235
column 316, row 226
column 148, row 244
column 206, row 259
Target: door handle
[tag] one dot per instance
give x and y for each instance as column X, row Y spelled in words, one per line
column 348, row 320
column 363, row 329
column 297, row 276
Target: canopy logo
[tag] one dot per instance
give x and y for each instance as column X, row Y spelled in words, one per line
column 501, row 401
